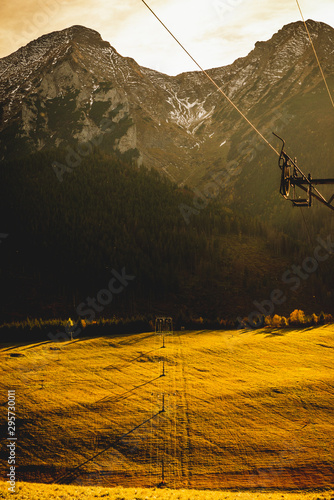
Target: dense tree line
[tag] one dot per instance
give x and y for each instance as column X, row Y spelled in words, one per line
column 65, row 238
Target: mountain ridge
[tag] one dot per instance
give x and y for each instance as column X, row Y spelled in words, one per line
column 186, row 106
column 179, row 125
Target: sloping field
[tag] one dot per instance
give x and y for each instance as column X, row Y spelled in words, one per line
column 211, row 410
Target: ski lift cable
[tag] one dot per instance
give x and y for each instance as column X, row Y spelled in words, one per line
column 211, row 80
column 315, row 53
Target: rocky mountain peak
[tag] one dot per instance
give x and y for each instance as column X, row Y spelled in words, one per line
column 294, row 40
column 83, row 34
column 314, row 27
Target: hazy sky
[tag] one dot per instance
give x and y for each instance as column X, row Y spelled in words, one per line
column 216, row 32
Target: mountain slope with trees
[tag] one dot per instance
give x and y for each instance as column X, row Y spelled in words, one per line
column 65, row 238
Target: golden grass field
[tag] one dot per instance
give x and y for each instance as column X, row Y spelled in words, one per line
column 33, row 491
column 242, row 410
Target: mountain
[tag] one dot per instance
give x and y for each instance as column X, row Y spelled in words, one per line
column 211, row 234
column 57, row 90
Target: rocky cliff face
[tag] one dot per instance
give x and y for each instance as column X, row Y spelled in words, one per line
column 71, row 87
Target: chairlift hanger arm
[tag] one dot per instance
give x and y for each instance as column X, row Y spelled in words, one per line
column 324, row 202
column 293, row 176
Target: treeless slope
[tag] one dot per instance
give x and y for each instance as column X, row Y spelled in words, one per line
column 239, row 409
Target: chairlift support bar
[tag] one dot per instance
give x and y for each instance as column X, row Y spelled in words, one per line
column 292, row 176
column 314, row 181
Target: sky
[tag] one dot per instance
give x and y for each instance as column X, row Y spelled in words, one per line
column 215, row 32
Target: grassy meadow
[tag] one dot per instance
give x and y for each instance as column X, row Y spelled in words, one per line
column 210, row 410
column 33, row 491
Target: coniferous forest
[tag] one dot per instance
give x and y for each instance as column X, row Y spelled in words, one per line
column 67, row 235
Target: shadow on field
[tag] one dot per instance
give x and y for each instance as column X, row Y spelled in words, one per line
column 133, row 340
column 70, row 342
column 124, row 395
column 69, row 476
column 272, row 333
column 25, row 347
column 281, row 332
column 32, row 345
column 129, row 361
